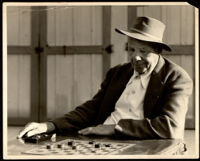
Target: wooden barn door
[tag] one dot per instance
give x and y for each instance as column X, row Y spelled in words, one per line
column 76, row 57
column 22, row 64
column 57, row 58
column 179, row 35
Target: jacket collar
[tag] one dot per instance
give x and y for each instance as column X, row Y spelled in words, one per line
column 155, row 87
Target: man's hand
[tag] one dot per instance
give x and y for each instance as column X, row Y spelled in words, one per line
column 34, row 128
column 98, row 130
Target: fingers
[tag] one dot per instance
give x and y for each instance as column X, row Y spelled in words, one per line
column 87, row 131
column 27, row 128
column 32, row 132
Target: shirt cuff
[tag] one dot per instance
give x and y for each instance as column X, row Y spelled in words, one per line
column 118, row 128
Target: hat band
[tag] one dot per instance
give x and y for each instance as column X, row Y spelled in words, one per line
column 144, row 33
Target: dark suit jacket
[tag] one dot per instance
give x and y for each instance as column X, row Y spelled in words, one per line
column 165, row 103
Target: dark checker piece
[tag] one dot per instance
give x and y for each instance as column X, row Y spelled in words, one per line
column 73, row 147
column 70, row 143
column 48, row 146
column 97, row 145
column 107, row 145
column 91, row 142
column 60, row 145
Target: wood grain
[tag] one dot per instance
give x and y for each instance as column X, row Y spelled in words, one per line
column 120, row 21
column 19, row 86
column 24, row 86
column 12, row 20
column 13, row 78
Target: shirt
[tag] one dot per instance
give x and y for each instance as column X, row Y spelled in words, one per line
column 130, row 103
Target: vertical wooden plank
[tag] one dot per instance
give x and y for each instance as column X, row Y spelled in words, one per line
column 82, row 63
column 140, row 11
column 34, row 66
column 51, row 27
column 13, row 88
column 96, row 60
column 187, row 25
column 187, row 62
column 82, row 79
column 12, row 20
column 58, row 84
column 132, row 15
column 82, row 26
column 154, row 12
column 24, row 26
column 42, row 64
column 96, row 27
column 174, row 25
column 51, row 64
column 66, row 28
column 24, row 86
column 164, row 20
column 19, row 30
column 51, row 86
column 64, row 84
column 57, row 26
column 96, row 72
column 65, row 96
column 147, row 11
column 80, row 32
column 120, row 20
column 106, row 38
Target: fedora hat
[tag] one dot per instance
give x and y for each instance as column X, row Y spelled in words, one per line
column 147, row 29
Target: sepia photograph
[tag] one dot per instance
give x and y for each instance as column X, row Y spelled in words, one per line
column 103, row 80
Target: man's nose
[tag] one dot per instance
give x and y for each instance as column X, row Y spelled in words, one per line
column 137, row 58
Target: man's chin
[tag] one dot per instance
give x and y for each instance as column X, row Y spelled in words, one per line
column 141, row 70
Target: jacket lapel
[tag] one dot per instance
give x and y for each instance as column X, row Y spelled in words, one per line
column 155, row 87
column 114, row 92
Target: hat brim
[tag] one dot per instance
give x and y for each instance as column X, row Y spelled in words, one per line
column 143, row 37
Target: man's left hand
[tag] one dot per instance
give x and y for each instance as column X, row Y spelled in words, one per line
column 98, row 130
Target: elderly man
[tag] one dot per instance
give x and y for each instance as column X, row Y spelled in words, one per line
column 145, row 98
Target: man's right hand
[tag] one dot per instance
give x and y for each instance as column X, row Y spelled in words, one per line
column 34, row 128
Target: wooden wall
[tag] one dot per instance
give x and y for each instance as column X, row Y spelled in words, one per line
column 119, row 19
column 19, row 66
column 74, row 26
column 73, row 79
column 18, row 26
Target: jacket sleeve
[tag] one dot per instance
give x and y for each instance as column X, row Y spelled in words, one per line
column 170, row 121
column 85, row 114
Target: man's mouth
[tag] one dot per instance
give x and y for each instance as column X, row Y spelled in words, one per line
column 140, row 66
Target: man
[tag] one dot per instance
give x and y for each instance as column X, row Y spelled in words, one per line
column 146, row 98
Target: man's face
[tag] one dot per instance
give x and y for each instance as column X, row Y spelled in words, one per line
column 141, row 56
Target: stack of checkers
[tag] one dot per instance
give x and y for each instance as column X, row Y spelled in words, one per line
column 79, row 147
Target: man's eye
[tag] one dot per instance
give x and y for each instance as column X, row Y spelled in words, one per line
column 132, row 49
column 142, row 51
